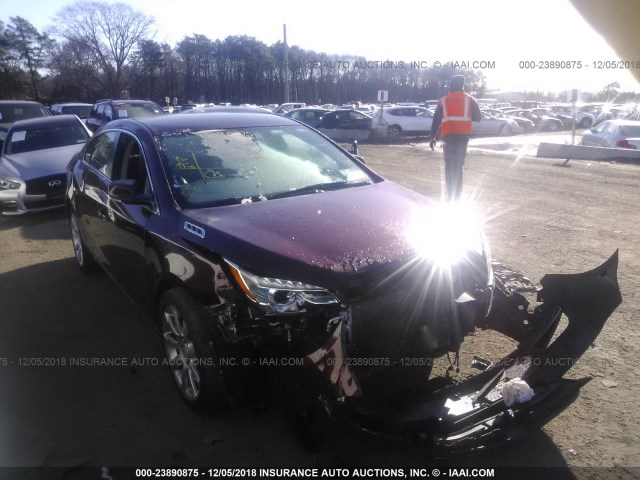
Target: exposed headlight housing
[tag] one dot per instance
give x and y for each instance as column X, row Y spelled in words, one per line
column 8, row 184
column 275, row 295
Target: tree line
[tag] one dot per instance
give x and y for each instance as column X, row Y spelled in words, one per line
column 97, row 50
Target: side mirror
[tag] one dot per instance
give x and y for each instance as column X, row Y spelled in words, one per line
column 123, row 190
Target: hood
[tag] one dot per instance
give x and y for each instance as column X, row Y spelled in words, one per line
column 313, row 238
column 39, row 163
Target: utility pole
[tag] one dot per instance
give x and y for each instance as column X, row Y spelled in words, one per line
column 286, row 65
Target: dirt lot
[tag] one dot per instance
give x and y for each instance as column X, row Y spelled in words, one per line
column 542, row 218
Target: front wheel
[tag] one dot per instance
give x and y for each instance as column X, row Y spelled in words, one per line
column 504, row 131
column 586, row 122
column 204, row 370
column 553, row 127
column 85, row 260
column 394, row 132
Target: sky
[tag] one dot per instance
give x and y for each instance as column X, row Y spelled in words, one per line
column 495, row 36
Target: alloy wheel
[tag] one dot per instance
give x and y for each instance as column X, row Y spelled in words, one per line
column 180, row 351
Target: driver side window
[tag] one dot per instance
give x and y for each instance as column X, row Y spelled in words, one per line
column 108, row 113
column 130, row 164
column 100, row 152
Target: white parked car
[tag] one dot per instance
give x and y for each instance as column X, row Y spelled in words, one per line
column 368, row 109
column 490, row 125
column 613, row 134
column 403, row 121
column 583, row 119
column 286, row 107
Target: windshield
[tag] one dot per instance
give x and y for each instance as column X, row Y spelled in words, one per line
column 14, row 113
column 128, row 110
column 81, row 111
column 222, row 167
column 40, row 138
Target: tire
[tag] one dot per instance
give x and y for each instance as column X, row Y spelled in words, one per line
column 85, row 260
column 504, row 131
column 586, row 122
column 393, row 133
column 553, row 127
column 194, row 348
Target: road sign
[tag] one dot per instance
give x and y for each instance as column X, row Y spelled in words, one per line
column 573, row 95
column 383, row 95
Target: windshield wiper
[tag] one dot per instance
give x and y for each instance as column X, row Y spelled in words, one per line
column 317, row 188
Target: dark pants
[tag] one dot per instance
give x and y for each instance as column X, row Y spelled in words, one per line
column 454, row 152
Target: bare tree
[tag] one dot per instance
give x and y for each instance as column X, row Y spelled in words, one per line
column 75, row 74
column 110, row 30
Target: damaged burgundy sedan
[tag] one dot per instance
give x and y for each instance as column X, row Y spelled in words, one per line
column 250, row 236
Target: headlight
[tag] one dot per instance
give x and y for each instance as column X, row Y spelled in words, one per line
column 279, row 296
column 8, row 185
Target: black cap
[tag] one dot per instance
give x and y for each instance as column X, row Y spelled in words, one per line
column 456, row 82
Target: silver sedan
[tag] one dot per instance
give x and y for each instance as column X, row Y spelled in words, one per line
column 490, row 125
column 34, row 159
column 613, row 134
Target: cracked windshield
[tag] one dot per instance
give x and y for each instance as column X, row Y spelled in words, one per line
column 223, row 167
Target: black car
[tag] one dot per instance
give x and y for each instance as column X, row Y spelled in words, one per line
column 105, row 111
column 345, row 120
column 252, row 239
column 567, row 121
column 542, row 123
column 308, row 116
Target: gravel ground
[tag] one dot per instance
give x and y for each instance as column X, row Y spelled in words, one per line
column 542, row 218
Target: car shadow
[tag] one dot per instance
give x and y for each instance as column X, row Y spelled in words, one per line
column 342, row 446
column 49, row 225
column 83, row 383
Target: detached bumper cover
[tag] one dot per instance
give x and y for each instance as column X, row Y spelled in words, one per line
column 453, row 417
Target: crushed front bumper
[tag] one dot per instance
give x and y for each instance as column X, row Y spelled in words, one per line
column 460, row 416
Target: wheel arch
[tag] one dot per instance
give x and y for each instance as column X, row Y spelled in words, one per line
column 201, row 287
column 395, row 127
column 163, row 286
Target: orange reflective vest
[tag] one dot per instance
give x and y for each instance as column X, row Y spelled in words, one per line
column 456, row 114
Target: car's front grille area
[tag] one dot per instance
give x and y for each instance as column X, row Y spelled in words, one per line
column 397, row 310
column 52, row 186
column 41, row 204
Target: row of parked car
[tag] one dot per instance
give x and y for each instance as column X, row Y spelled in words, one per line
column 37, row 143
column 395, row 121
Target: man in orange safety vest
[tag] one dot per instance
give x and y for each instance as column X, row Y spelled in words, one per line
column 452, row 120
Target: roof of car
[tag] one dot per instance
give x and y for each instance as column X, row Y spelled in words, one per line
column 622, row 121
column 227, row 108
column 404, row 107
column 124, row 100
column 19, row 102
column 205, row 121
column 307, row 109
column 72, row 104
column 38, row 121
